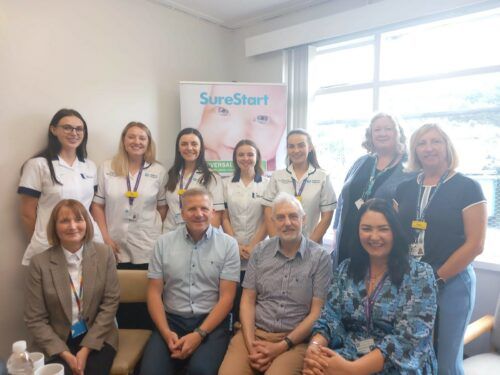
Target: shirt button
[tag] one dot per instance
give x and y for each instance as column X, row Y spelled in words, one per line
column 193, row 265
column 192, row 283
column 286, row 276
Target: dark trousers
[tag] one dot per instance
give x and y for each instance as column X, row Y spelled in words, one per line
column 133, row 315
column 237, row 299
column 205, row 360
column 99, row 362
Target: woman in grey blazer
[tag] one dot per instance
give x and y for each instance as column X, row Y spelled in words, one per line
column 72, row 294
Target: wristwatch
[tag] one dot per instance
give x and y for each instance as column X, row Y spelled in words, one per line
column 289, row 343
column 201, row 332
column 440, row 282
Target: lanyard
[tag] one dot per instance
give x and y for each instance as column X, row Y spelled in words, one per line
column 182, row 190
column 421, row 213
column 78, row 297
column 132, row 194
column 298, row 194
column 374, row 177
column 370, row 300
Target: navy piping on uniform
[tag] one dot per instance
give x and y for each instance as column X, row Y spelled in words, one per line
column 27, row 191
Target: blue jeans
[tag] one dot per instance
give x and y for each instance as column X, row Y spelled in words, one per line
column 206, row 359
column 455, row 302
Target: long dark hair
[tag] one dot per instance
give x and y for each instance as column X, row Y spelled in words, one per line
column 398, row 263
column 258, row 162
column 201, row 163
column 311, row 156
column 54, row 146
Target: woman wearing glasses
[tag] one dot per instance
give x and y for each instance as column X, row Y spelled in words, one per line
column 59, row 171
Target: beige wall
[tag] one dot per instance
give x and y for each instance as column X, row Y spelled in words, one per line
column 114, row 61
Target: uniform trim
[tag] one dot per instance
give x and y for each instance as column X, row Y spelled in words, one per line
column 473, row 204
column 30, row 192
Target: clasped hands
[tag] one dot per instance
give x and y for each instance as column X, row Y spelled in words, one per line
column 262, row 353
column 320, row 360
column 76, row 362
column 182, row 348
column 245, row 251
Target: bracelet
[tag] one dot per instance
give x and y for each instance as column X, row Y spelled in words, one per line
column 289, row 343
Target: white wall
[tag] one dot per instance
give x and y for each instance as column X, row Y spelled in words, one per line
column 114, row 61
column 268, row 67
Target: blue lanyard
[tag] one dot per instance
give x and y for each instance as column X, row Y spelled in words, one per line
column 181, row 186
column 421, row 213
column 374, row 177
column 136, row 186
column 302, row 186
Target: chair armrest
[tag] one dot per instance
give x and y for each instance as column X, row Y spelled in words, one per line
column 478, row 327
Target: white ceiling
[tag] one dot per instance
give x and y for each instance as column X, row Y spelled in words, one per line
column 234, row 14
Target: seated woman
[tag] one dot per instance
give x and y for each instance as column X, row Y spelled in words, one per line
column 381, row 306
column 72, row 294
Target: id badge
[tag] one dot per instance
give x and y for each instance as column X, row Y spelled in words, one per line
column 130, row 215
column 132, row 194
column 365, row 346
column 78, row 329
column 417, row 250
column 419, row 224
column 359, row 203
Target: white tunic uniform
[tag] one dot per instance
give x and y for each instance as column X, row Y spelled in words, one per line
column 244, row 207
column 174, row 218
column 317, row 196
column 78, row 183
column 133, row 228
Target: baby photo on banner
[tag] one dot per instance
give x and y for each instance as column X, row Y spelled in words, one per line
column 226, row 112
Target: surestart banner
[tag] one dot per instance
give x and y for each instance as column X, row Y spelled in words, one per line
column 226, row 113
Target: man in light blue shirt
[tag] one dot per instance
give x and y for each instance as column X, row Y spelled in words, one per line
column 192, row 283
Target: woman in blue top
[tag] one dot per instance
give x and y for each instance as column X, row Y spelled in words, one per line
column 381, row 306
column 375, row 175
column 444, row 212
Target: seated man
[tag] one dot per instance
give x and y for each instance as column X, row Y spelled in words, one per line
column 195, row 269
column 285, row 285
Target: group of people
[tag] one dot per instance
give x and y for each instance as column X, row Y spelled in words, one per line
column 394, row 296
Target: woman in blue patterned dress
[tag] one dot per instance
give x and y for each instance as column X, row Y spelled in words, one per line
column 381, row 306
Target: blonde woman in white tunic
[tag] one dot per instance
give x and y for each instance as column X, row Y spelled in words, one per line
column 304, row 179
column 130, row 204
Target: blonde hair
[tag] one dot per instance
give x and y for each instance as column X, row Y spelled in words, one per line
column 400, row 135
column 119, row 163
column 414, row 163
column 79, row 211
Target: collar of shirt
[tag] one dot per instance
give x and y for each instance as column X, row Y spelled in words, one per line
column 302, row 247
column 206, row 236
column 256, row 178
column 75, row 165
column 73, row 258
column 310, row 171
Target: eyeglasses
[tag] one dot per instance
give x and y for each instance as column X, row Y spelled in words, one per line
column 68, row 129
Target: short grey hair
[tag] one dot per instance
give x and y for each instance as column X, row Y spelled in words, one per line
column 283, row 197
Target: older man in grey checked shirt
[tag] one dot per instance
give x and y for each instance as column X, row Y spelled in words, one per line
column 285, row 285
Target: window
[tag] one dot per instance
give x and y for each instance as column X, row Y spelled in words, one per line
column 445, row 71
